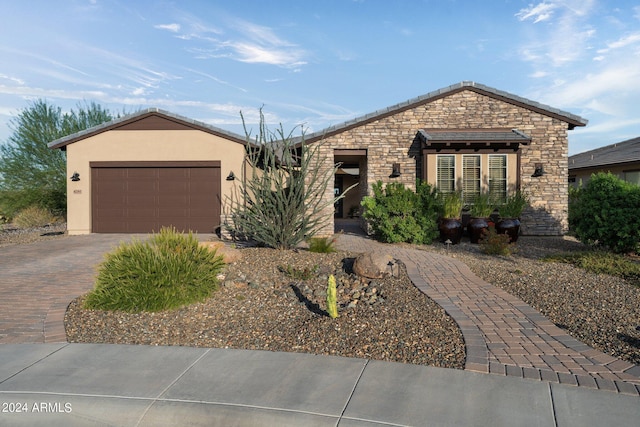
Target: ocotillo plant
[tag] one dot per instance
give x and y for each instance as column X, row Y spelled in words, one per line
column 332, row 306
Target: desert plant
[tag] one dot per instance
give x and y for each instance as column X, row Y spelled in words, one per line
column 482, row 206
column 305, row 273
column 601, row 262
column 605, row 213
column 168, row 271
column 280, row 200
column 322, row 245
column 398, row 214
column 332, row 297
column 34, row 216
column 451, row 204
column 493, row 243
column 514, row 205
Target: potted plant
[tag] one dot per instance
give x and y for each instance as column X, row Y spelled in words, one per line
column 450, row 224
column 510, row 211
column 480, row 211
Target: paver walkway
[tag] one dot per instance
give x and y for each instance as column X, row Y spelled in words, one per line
column 503, row 335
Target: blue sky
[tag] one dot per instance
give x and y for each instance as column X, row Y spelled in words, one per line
column 320, row 63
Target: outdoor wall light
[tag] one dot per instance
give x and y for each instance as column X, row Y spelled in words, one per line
column 231, row 176
column 75, row 177
column 538, row 170
column 395, row 172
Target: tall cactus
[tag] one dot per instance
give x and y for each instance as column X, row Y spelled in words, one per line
column 332, row 297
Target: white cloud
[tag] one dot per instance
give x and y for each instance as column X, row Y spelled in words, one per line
column 540, row 12
column 174, row 28
column 12, row 79
column 616, row 79
column 624, row 41
column 565, row 40
column 253, row 53
column 138, row 91
column 240, row 40
column 539, row 74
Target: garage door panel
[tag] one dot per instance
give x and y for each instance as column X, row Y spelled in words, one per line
column 141, row 213
column 144, row 199
column 172, row 188
column 174, row 173
column 140, row 200
column 173, row 214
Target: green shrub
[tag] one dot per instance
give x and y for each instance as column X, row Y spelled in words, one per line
column 482, row 206
column 514, row 205
column 601, row 262
column 322, row 245
column 398, row 214
column 305, row 273
column 168, row 271
column 34, row 216
column 493, row 243
column 451, row 204
column 605, row 213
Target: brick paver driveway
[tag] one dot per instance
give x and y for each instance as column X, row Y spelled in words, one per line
column 38, row 280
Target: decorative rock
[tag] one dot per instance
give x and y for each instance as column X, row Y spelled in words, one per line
column 229, row 254
column 374, row 265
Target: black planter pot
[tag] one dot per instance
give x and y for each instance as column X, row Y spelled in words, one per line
column 510, row 226
column 476, row 227
column 450, row 229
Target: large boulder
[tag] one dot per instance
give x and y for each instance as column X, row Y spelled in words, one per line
column 375, row 265
column 229, row 254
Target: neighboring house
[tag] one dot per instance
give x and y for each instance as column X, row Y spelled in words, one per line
column 149, row 169
column 621, row 159
column 466, row 136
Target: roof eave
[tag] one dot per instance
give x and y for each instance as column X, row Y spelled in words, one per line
column 61, row 143
column 572, row 120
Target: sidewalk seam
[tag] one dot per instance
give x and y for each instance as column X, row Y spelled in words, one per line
column 157, row 398
column 353, row 389
column 553, row 406
column 37, row 361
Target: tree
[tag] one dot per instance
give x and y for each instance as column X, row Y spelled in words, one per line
column 30, row 172
column 280, row 201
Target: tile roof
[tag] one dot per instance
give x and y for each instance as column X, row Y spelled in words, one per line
column 621, row 152
column 113, row 124
column 572, row 119
column 512, row 135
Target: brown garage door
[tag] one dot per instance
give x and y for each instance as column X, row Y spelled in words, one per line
column 142, row 197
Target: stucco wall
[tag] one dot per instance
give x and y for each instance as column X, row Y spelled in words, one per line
column 142, row 145
column 583, row 176
column 392, row 139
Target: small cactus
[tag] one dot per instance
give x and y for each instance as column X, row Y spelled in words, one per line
column 332, row 306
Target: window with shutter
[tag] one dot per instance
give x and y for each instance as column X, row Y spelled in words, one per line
column 498, row 176
column 470, row 177
column 446, row 173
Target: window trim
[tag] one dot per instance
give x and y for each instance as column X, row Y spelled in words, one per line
column 516, row 183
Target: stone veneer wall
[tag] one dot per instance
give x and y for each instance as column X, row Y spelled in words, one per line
column 392, row 139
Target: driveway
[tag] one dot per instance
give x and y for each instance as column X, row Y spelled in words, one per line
column 38, row 280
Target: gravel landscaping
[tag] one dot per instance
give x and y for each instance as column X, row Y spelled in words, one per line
column 260, row 305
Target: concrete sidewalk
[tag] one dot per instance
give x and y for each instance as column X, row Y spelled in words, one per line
column 123, row 385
